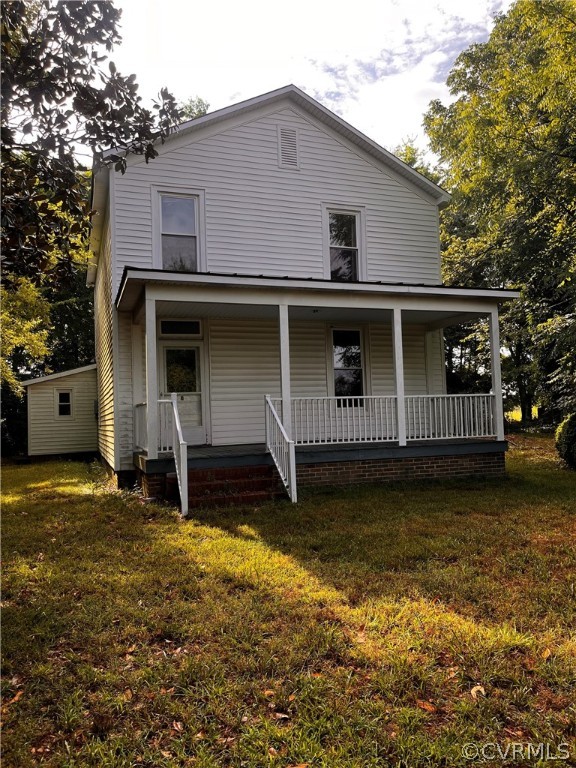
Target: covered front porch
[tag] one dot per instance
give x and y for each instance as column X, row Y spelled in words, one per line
column 283, row 384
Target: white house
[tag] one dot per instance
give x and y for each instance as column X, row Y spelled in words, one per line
column 268, row 292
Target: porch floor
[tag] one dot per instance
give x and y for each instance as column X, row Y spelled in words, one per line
column 211, row 456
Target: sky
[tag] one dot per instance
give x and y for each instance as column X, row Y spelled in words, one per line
column 376, row 63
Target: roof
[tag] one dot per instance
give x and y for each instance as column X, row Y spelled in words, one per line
column 307, row 104
column 134, row 278
column 70, row 372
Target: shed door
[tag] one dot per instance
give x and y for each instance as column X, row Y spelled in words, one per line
column 181, row 372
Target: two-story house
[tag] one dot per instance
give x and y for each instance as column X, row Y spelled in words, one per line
column 268, row 293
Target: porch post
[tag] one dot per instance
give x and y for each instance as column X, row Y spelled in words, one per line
column 151, row 377
column 496, row 373
column 399, row 375
column 285, row 368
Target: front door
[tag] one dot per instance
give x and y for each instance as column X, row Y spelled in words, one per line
column 181, row 372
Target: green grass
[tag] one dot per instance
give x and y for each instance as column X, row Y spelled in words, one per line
column 349, row 630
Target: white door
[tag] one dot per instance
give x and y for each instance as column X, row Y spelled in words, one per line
column 181, row 371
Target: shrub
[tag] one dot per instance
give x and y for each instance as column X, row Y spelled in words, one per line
column 566, row 440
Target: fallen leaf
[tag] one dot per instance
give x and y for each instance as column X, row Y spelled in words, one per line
column 16, row 698
column 245, row 719
column 281, row 716
column 269, row 692
column 178, row 726
column 291, row 698
column 478, row 689
column 300, row 765
column 426, row 705
column 272, row 751
column 128, row 694
column 546, row 653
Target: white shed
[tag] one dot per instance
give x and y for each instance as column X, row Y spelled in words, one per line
column 62, row 416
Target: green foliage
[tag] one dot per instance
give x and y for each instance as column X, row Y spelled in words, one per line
column 25, row 316
column 507, row 148
column 193, row 108
column 566, row 440
column 56, row 95
column 410, row 154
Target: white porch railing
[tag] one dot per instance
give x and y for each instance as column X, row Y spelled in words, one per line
column 441, row 417
column 141, row 427
column 330, row 420
column 334, row 420
column 172, row 441
column 281, row 448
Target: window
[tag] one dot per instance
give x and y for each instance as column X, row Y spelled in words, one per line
column 179, row 232
column 347, row 363
column 343, row 246
column 181, row 328
column 64, row 403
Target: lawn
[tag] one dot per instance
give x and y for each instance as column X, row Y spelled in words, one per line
column 375, row 626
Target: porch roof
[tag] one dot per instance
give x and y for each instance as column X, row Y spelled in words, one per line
column 225, row 295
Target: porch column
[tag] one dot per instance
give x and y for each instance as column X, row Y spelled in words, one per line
column 399, row 375
column 285, row 368
column 496, row 373
column 151, row 376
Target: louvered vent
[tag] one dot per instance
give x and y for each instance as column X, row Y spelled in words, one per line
column 288, row 147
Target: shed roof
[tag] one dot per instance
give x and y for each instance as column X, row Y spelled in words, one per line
column 69, row 372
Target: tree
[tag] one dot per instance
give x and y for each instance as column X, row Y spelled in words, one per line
column 56, row 95
column 507, row 148
column 58, row 99
column 193, row 108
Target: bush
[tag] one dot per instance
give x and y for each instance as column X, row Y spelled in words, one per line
column 566, row 440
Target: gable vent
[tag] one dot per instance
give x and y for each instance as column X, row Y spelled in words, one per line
column 288, row 141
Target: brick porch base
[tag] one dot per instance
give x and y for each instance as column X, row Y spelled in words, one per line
column 389, row 470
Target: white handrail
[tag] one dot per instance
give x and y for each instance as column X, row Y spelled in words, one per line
column 371, row 419
column 281, row 448
column 178, row 447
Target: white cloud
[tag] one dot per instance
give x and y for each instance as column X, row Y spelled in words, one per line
column 377, row 63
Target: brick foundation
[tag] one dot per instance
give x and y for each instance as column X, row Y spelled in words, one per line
column 390, row 470
column 153, row 485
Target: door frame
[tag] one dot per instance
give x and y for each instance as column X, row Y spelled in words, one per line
column 199, row 344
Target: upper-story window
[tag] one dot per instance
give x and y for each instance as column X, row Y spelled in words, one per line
column 344, row 245
column 179, row 232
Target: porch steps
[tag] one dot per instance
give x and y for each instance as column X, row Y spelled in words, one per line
column 228, row 486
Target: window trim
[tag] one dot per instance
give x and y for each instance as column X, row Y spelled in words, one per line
column 198, row 195
column 364, row 351
column 57, row 414
column 352, row 210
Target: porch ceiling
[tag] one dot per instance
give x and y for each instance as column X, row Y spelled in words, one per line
column 347, row 315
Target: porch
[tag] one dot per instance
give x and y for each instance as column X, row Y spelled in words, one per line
column 270, row 357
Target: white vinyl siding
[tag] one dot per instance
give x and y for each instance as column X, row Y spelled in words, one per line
column 104, row 338
column 244, row 367
column 52, row 434
column 262, row 219
column 125, row 404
